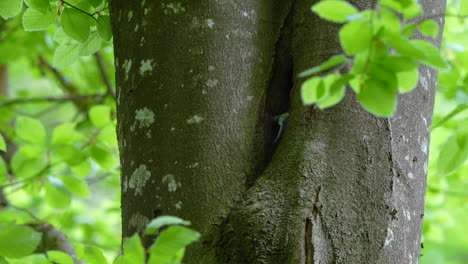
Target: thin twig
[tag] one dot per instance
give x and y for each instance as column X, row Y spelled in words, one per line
column 73, row 98
column 104, row 75
column 76, row 8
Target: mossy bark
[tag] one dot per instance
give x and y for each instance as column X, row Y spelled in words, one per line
column 342, row 186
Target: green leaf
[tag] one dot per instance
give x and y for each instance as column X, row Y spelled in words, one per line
column 407, row 80
column 93, row 255
column 454, row 153
column 25, row 168
column 38, row 5
column 2, row 143
column 170, row 243
column 76, row 24
column 404, row 46
column 102, row 156
column 91, row 45
column 155, row 224
column 355, row 37
column 55, row 193
column 61, row 37
column 429, row 28
column 108, row 135
column 66, row 55
column 70, row 155
column 10, row 8
column 95, row 3
column 377, row 98
column 408, row 30
column 134, row 250
column 104, row 28
column 59, row 257
column 432, row 54
column 3, row 172
column 18, row 241
column 34, row 20
column 460, row 108
column 463, row 8
column 398, row 63
column 31, row 130
column 334, row 10
column 76, row 185
column 100, row 115
column 65, row 134
column 313, row 90
column 331, row 62
column 83, row 169
column 337, row 89
column 390, row 20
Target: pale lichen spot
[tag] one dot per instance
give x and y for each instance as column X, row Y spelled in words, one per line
column 245, row 14
column 172, row 184
column 424, row 82
column 138, row 179
column 174, row 8
column 130, row 15
column 146, row 65
column 145, row 117
column 146, row 11
column 425, row 167
column 172, row 128
column 204, row 91
column 136, row 28
column 389, row 237
column 249, row 98
column 178, row 205
column 211, row 83
column 138, row 222
column 211, row 68
column 193, row 165
column 407, row 158
column 196, row 119
column 424, row 146
column 148, row 133
column 210, row 23
column 143, row 3
column 410, row 175
column 127, row 66
column 142, row 41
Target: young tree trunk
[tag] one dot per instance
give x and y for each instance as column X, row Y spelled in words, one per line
column 198, row 86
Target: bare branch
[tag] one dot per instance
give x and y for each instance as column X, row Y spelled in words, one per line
column 104, row 74
column 73, row 98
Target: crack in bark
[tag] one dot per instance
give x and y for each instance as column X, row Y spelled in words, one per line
column 276, row 96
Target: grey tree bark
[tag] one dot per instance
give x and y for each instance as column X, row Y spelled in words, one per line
column 198, row 85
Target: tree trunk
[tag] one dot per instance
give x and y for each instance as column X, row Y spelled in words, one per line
column 198, row 85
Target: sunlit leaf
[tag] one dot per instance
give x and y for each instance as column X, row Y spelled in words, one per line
column 134, row 250
column 169, row 244
column 34, row 20
column 76, row 185
column 17, row 241
column 2, row 143
column 10, row 8
column 31, row 130
column 155, row 224
column 334, row 10
column 56, row 194
column 66, row 55
column 429, row 28
column 59, row 257
column 331, row 62
column 76, row 24
column 350, row 32
column 104, row 28
column 100, row 115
